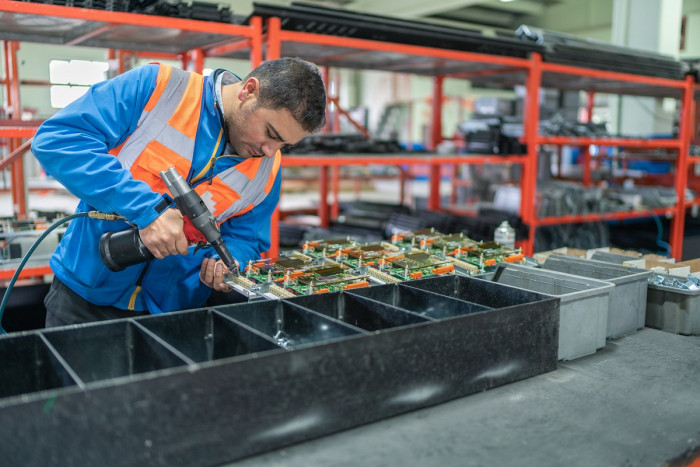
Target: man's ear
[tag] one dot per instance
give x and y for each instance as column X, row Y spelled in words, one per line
column 251, row 87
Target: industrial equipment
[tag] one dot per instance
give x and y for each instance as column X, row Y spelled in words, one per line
column 121, row 249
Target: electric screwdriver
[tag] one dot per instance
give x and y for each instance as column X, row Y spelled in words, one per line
column 121, row 249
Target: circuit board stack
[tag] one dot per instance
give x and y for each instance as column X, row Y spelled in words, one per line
column 331, row 265
column 298, row 274
column 470, row 256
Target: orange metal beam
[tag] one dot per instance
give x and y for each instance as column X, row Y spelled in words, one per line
column 227, row 47
column 398, row 160
column 17, row 132
column 19, row 198
column 476, row 74
column 575, row 219
column 346, row 114
column 96, row 32
column 256, row 45
column 626, row 142
column 295, row 36
column 586, row 152
column 612, row 75
column 27, row 272
column 274, row 38
column 272, row 43
column 528, row 184
column 323, row 195
column 435, row 139
column 15, row 155
column 684, row 135
column 210, row 27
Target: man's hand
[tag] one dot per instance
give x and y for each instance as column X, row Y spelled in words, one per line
column 165, row 236
column 212, row 274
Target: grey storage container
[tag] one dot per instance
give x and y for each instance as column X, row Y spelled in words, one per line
column 672, row 309
column 626, row 310
column 614, row 258
column 583, row 312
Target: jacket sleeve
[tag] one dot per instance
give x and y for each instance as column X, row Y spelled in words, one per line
column 247, row 236
column 73, row 146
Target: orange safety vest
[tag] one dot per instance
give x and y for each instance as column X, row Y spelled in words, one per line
column 165, row 136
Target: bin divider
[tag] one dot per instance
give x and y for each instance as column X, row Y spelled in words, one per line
column 162, row 342
column 329, row 318
column 57, row 355
column 248, row 328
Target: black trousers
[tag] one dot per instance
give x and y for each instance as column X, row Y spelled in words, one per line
column 63, row 307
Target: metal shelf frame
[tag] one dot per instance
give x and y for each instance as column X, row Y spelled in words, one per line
column 130, row 34
column 192, row 41
column 534, row 73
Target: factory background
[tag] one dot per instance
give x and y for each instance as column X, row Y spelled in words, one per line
column 489, row 255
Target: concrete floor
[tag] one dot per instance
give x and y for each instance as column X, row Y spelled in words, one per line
column 635, row 402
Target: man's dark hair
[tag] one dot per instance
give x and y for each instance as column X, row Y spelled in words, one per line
column 294, row 84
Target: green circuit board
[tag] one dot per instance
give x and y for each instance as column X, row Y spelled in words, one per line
column 299, row 274
column 384, row 262
column 472, row 255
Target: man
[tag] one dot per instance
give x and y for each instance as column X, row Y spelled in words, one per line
column 221, row 133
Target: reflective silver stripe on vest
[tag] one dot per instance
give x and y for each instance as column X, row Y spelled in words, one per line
column 153, row 125
column 251, row 191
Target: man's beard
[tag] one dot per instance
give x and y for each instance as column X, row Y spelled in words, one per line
column 233, row 125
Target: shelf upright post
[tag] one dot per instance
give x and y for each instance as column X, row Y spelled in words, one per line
column 528, row 185
column 193, row 60
column 326, row 73
column 684, row 134
column 256, row 46
column 12, row 100
column 585, row 150
column 273, row 43
column 335, row 170
column 435, row 139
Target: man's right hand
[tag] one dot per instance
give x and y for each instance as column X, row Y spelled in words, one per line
column 165, row 236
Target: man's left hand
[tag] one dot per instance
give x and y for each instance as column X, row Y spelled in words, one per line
column 212, row 274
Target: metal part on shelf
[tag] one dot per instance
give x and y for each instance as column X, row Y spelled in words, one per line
column 304, row 17
column 17, row 237
column 690, row 281
column 332, row 143
column 584, row 52
column 55, row 24
column 493, row 135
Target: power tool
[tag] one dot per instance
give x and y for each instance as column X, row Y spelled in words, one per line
column 125, row 248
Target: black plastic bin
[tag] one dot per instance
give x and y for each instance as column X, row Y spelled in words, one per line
column 29, row 365
column 210, row 386
column 111, row 350
column 205, row 335
column 289, row 325
column 424, row 303
column 358, row 311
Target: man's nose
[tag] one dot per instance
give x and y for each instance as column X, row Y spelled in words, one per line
column 271, row 148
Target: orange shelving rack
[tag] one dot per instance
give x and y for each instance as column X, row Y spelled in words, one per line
column 191, row 41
